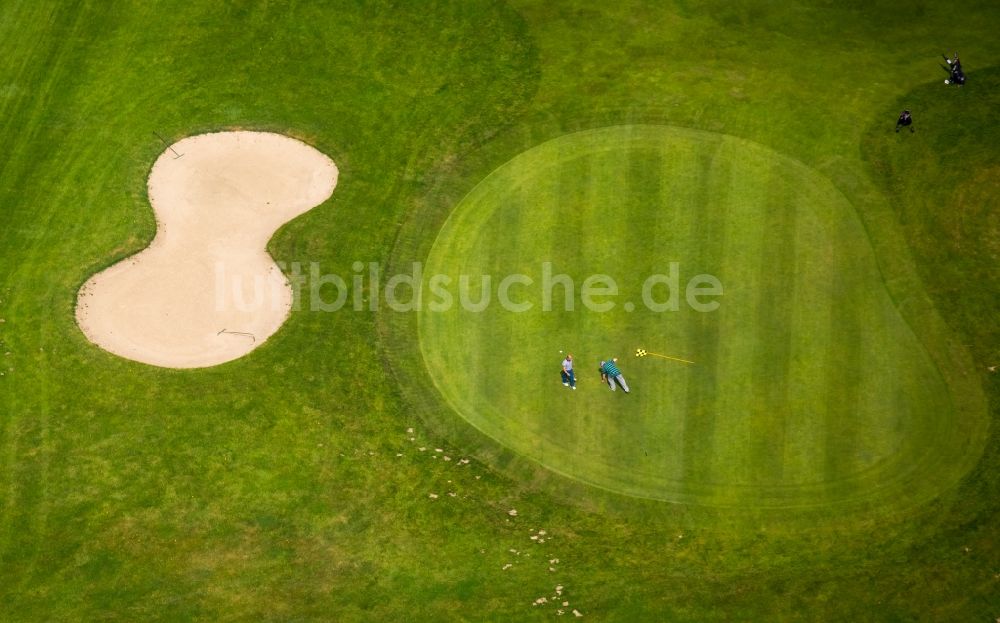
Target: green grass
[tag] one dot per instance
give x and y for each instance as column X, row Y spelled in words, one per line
column 270, row 488
column 810, row 388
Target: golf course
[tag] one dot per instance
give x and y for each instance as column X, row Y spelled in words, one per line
column 286, row 288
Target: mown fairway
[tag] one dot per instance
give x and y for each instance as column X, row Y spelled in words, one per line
column 303, row 482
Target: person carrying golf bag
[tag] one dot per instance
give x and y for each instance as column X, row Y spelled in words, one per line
column 956, row 75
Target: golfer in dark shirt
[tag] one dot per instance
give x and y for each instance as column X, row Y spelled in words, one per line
column 905, row 121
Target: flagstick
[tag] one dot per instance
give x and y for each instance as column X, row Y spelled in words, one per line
column 642, row 353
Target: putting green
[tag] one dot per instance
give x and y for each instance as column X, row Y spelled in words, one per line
column 809, row 388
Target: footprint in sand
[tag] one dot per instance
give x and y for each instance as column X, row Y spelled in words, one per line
column 206, row 291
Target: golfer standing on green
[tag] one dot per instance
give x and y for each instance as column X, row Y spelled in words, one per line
column 568, row 378
column 611, row 373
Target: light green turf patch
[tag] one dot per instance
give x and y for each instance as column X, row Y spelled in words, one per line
column 809, row 389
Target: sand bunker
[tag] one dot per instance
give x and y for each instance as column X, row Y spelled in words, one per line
column 206, row 291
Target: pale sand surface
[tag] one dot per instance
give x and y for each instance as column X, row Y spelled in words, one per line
column 206, row 291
